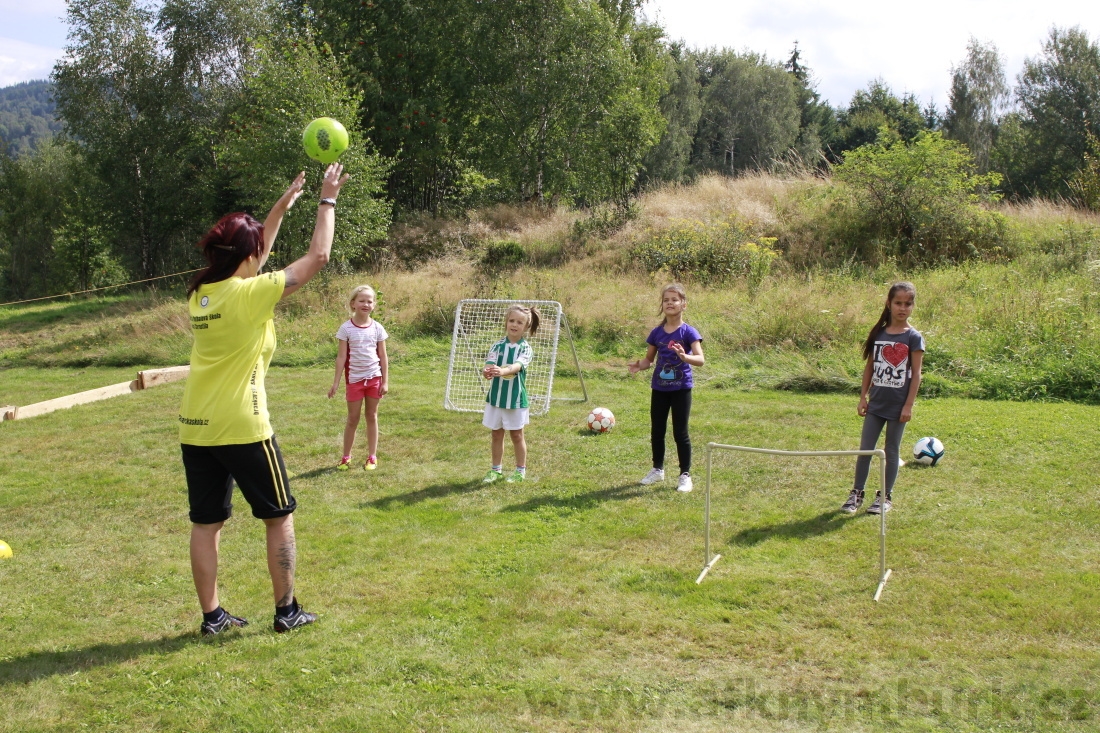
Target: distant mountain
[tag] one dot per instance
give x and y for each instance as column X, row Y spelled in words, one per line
column 27, row 116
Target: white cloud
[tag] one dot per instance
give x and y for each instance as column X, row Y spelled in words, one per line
column 20, row 61
column 912, row 47
column 46, row 8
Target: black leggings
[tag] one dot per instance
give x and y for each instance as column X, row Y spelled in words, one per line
column 872, row 428
column 680, row 404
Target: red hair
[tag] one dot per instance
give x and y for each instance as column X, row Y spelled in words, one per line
column 231, row 241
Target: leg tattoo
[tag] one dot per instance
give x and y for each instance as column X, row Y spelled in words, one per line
column 287, row 556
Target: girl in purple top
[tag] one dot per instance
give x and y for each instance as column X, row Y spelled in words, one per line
column 675, row 347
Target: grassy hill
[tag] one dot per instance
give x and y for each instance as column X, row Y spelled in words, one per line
column 1020, row 327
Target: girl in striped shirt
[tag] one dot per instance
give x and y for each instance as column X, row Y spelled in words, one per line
column 506, row 403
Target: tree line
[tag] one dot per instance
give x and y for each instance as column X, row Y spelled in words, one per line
column 26, row 116
column 174, row 114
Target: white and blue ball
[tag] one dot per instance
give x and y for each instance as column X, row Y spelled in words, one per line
column 928, row 451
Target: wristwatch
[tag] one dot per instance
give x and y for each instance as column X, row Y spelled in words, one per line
column 330, row 202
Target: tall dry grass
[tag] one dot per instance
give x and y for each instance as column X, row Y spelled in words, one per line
column 754, row 197
column 1043, row 213
column 758, row 200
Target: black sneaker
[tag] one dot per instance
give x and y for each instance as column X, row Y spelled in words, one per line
column 855, row 501
column 228, row 620
column 296, row 618
column 878, row 506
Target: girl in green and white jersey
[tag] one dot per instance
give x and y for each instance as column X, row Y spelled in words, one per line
column 506, row 406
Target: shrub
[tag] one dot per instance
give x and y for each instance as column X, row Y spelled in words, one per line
column 502, row 257
column 917, row 202
column 706, row 253
column 1086, row 182
column 608, row 336
column 603, row 221
column 423, row 239
column 759, row 260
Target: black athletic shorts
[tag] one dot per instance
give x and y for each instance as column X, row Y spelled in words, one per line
column 258, row 470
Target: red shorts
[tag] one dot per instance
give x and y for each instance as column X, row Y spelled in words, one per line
column 367, row 388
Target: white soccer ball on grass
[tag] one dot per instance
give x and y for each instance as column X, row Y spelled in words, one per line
column 601, row 420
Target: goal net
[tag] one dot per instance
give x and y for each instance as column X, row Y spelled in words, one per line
column 478, row 325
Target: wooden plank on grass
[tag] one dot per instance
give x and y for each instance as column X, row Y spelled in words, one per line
column 156, row 377
column 80, row 398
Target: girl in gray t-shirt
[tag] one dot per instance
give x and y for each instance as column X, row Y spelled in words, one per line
column 894, row 351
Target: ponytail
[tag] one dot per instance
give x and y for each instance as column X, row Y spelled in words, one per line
column 882, row 322
column 534, row 321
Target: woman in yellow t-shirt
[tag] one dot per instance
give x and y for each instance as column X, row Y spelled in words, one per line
column 225, row 434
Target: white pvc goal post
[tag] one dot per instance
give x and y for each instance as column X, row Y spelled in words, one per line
column 479, row 323
column 709, row 561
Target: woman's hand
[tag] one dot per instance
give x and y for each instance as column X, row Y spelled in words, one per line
column 302, row 270
column 383, row 388
column 332, row 391
column 333, row 181
column 906, row 413
column 274, row 218
column 862, row 409
column 293, row 192
column 678, row 349
column 491, row 371
column 636, row 366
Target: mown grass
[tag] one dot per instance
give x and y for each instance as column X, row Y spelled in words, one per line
column 566, row 603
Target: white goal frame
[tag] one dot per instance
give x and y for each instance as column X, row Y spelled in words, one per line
column 708, row 561
column 479, row 323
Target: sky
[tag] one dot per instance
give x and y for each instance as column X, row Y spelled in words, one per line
column 846, row 44
column 32, row 36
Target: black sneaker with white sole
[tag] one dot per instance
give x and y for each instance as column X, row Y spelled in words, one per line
column 855, row 501
column 227, row 621
column 878, row 506
column 297, row 617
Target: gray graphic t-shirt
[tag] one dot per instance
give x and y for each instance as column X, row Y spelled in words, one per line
column 892, row 371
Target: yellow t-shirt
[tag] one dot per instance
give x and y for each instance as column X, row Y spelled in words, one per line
column 224, row 402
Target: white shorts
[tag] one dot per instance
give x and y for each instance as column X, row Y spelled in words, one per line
column 499, row 417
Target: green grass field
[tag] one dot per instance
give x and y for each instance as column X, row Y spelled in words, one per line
column 568, row 602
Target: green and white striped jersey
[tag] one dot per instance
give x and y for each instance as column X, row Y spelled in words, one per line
column 509, row 393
